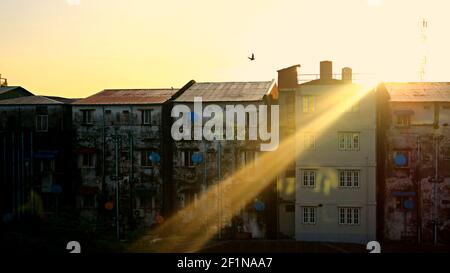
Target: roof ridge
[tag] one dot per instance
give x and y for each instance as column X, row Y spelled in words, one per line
column 131, row 89
column 238, row 82
column 46, row 97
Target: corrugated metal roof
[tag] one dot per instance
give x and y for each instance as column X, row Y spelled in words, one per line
column 5, row 89
column 32, row 100
column 128, row 96
column 227, row 91
column 418, row 91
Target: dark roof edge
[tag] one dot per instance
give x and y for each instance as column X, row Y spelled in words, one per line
column 182, row 90
column 286, row 68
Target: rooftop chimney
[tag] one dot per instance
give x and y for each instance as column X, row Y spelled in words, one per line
column 288, row 77
column 347, row 74
column 326, row 70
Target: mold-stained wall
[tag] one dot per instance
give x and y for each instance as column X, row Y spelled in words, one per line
column 417, row 143
column 219, row 160
column 138, row 160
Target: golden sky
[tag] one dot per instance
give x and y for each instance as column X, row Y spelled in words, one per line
column 74, row 48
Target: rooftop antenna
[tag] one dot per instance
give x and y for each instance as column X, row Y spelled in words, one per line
column 3, row 81
column 423, row 30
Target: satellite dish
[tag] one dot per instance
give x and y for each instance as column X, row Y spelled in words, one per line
column 400, row 160
column 197, row 158
column 155, row 157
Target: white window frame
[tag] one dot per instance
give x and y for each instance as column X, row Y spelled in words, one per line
column 309, row 215
column 40, row 122
column 349, row 178
column 147, row 116
column 309, row 178
column 182, row 155
column 308, row 104
column 403, row 120
column 309, row 141
column 346, row 141
column 350, row 216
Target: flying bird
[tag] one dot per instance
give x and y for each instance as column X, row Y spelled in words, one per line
column 252, row 58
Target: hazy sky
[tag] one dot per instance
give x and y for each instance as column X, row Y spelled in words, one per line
column 75, row 48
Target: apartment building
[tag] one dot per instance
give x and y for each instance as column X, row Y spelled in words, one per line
column 200, row 165
column 120, row 155
column 35, row 151
column 335, row 168
column 414, row 167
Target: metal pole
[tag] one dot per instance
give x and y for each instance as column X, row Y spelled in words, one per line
column 117, row 184
column 31, row 174
column 131, row 177
column 419, row 195
column 219, row 157
column 204, row 180
column 435, row 188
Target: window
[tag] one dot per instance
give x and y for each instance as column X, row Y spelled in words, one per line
column 87, row 160
column 349, row 141
column 41, row 123
column 447, row 153
column 247, row 157
column 45, row 165
column 145, row 201
column 352, row 108
column 402, row 202
column 403, row 120
column 309, row 178
column 147, row 117
column 308, row 104
column 126, row 116
column 187, row 198
column 309, row 215
column 146, row 158
column 349, row 216
column 88, row 116
column 349, row 178
column 186, row 158
column 88, row 202
column 309, row 141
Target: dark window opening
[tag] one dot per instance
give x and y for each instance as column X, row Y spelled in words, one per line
column 147, row 117
column 88, row 116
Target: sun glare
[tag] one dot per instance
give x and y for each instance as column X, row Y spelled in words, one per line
column 199, row 221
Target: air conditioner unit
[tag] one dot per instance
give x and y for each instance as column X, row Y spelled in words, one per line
column 139, row 213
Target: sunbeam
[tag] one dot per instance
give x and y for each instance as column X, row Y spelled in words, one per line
column 248, row 183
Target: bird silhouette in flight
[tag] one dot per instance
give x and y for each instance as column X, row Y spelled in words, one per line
column 252, row 58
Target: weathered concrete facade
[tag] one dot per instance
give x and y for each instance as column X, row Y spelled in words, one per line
column 416, row 143
column 199, row 165
column 120, row 145
column 35, row 151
